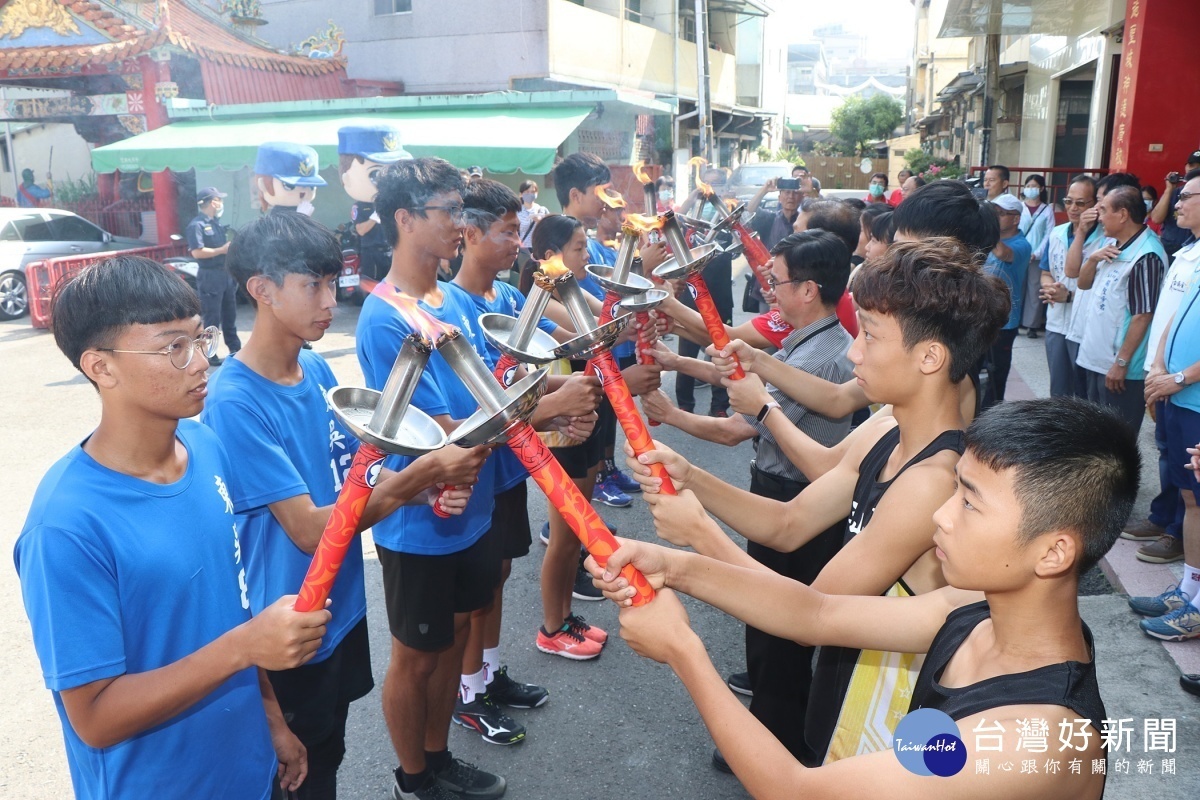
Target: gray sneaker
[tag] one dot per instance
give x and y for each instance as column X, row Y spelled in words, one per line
column 1162, row 550
column 466, row 780
column 1165, row 603
column 432, row 790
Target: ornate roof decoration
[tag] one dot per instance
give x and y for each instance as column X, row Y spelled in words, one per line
column 50, row 26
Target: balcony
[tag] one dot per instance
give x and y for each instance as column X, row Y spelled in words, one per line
column 591, row 47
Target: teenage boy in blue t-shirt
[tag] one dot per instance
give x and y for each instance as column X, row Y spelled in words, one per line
column 436, row 571
column 292, row 454
column 131, row 566
column 491, row 240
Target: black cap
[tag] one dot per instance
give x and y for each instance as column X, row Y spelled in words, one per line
column 1194, row 158
column 204, row 195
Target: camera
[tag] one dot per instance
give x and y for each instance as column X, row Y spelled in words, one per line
column 1175, row 177
column 785, row 184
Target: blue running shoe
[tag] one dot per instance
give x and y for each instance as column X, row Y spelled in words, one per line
column 610, row 494
column 624, row 482
column 1165, row 603
column 1182, row 623
column 545, row 534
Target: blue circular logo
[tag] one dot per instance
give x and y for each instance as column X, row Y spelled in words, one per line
column 927, row 742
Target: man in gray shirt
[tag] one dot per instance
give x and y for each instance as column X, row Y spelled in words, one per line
column 808, row 274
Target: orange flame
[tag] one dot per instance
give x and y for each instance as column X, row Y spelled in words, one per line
column 639, row 172
column 553, row 267
column 697, row 164
column 426, row 324
column 640, row 223
column 609, row 196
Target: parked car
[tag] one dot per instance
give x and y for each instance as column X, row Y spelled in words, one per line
column 33, row 234
column 747, row 179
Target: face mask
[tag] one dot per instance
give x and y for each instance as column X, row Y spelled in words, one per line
column 1149, row 204
column 876, row 190
column 1031, row 193
column 665, row 194
column 306, row 208
column 221, row 211
column 529, row 197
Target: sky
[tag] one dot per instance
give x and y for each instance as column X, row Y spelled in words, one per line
column 887, row 24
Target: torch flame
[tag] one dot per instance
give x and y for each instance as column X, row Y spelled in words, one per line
column 641, row 223
column 609, row 196
column 697, row 164
column 639, row 172
column 428, row 326
column 553, row 267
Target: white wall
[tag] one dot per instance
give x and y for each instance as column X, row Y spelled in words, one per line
column 72, row 157
column 460, row 46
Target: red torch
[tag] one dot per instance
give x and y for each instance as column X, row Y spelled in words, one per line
column 687, row 264
column 615, row 388
column 503, row 416
column 384, row 423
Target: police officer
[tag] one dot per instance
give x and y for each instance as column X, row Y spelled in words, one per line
column 218, row 292
column 363, row 152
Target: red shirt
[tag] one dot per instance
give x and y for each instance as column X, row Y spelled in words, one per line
column 775, row 329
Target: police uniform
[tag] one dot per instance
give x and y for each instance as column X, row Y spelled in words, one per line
column 379, row 144
column 214, row 284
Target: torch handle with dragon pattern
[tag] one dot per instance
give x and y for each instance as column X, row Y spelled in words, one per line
column 626, row 410
column 712, row 319
column 566, row 498
column 341, row 528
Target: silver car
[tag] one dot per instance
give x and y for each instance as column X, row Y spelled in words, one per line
column 33, row 234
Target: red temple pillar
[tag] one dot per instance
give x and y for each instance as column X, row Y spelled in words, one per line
column 156, row 70
column 1153, row 130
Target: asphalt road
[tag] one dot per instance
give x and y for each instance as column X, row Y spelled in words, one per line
column 615, row 726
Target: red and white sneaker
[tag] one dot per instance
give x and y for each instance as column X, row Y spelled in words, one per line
column 580, row 625
column 568, row 643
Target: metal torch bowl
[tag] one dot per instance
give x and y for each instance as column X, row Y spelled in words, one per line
column 483, row 427
column 418, row 433
column 644, row 301
column 588, row 344
column 498, row 328
column 671, row 269
column 634, row 283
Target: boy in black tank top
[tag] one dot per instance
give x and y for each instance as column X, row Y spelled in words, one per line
column 926, row 313
column 1042, row 492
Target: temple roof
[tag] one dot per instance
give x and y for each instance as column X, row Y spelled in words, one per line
column 48, row 36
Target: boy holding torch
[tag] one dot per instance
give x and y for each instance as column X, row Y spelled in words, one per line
column 491, row 240
column 132, row 571
column 291, row 456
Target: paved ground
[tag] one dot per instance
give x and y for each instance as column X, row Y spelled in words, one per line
column 613, row 726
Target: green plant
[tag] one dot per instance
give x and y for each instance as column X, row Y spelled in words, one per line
column 71, row 192
column 930, row 167
column 857, row 122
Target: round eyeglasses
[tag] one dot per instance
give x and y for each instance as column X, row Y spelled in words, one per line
column 181, row 349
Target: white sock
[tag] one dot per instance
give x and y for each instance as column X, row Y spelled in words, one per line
column 1190, row 585
column 471, row 686
column 491, row 663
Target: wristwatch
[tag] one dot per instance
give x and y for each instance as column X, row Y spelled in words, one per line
column 766, row 409
column 1180, row 379
column 1122, row 362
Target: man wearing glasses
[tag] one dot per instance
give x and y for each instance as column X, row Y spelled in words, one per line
column 1058, row 290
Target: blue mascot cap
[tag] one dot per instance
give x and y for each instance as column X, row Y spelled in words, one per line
column 294, row 164
column 378, row 143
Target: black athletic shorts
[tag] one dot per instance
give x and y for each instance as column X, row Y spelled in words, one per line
column 314, row 697
column 423, row 593
column 510, row 521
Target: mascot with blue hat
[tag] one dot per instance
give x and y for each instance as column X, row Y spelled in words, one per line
column 363, row 152
column 287, row 176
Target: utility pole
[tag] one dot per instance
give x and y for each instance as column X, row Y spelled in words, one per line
column 991, row 85
column 703, row 99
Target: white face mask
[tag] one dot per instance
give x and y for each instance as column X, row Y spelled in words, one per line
column 306, row 208
column 220, row 211
column 1031, row 193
